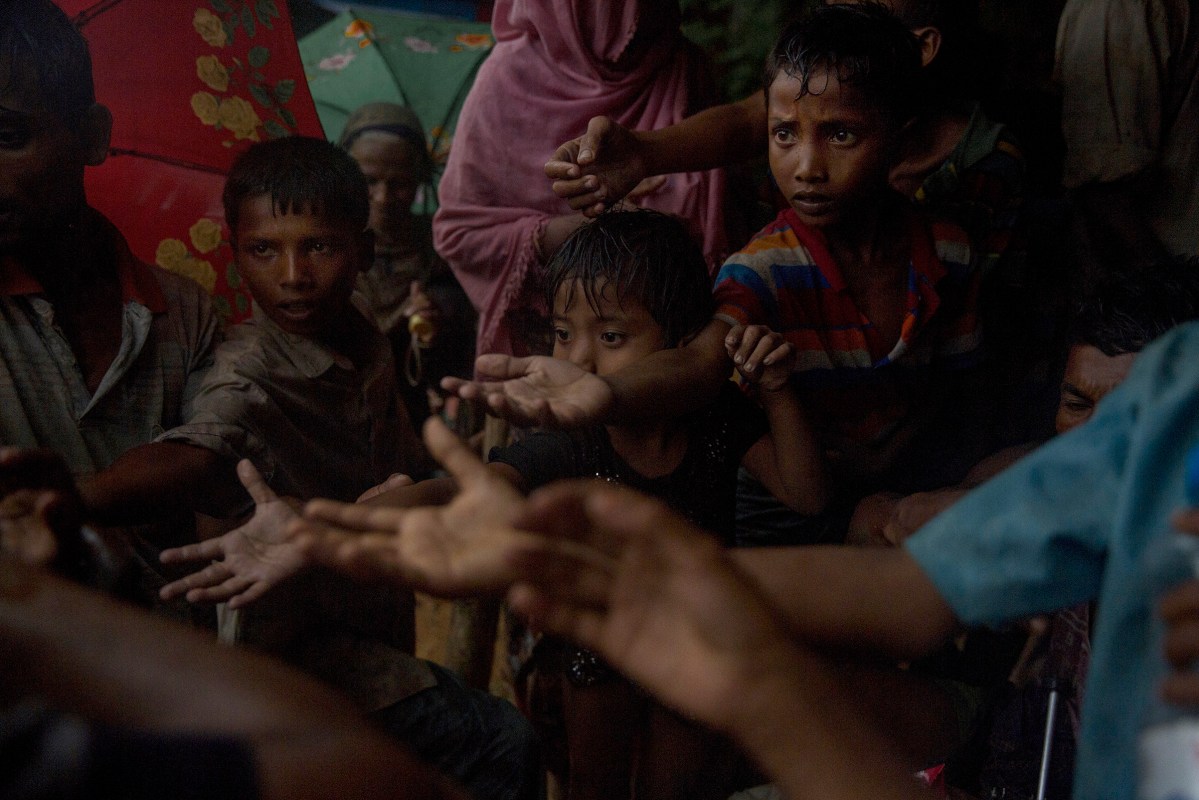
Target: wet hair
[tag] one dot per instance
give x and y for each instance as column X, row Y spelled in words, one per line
column 1127, row 309
column 301, row 175
column 37, row 34
column 647, row 256
column 864, row 45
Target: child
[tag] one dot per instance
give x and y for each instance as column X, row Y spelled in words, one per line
column 306, row 392
column 623, row 287
column 876, row 301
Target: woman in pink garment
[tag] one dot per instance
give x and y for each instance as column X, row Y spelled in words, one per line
column 556, row 64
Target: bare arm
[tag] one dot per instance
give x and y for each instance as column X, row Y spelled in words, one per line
column 57, row 642
column 596, row 170
column 555, row 393
column 787, row 459
column 860, row 599
column 154, row 481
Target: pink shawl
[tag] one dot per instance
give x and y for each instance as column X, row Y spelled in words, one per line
column 554, row 66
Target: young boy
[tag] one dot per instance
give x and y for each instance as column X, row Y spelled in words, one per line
column 306, row 392
column 877, row 303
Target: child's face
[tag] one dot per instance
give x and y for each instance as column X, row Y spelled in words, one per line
column 604, row 342
column 830, row 151
column 299, row 267
column 1090, row 376
column 41, row 163
column 392, row 167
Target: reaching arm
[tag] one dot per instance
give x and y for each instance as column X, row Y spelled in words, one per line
column 555, row 393
column 596, row 170
column 158, row 480
column 110, row 663
column 859, row 599
column 451, row 549
column 787, row 459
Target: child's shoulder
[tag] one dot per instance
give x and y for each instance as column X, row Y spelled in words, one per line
column 785, row 241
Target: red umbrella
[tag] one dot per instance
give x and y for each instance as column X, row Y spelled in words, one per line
column 190, row 84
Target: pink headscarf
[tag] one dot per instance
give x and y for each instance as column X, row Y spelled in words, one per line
column 556, row 64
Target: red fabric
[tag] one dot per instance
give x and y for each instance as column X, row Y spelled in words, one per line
column 151, row 60
column 556, row 64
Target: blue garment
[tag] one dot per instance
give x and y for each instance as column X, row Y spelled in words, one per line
column 1081, row 519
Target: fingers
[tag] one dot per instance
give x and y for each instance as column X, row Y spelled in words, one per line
column 586, row 194
column 251, row 478
column 646, row 187
column 354, row 518
column 206, row 550
column 755, row 346
column 499, row 367
column 563, row 164
column 591, row 143
column 394, row 481
column 453, row 454
column 210, row 576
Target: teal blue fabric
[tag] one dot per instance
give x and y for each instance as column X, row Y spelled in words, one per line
column 1086, row 517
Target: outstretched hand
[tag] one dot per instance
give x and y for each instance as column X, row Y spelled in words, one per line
column 596, row 170
column 249, row 560
column 459, row 549
column 536, row 390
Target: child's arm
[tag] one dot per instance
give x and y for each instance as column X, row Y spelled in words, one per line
column 596, row 170
column 553, row 392
column 786, row 459
column 110, row 663
column 450, row 550
column 159, row 480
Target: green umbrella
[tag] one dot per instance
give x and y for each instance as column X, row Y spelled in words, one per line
column 422, row 62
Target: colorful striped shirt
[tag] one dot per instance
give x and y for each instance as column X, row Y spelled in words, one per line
column 853, row 383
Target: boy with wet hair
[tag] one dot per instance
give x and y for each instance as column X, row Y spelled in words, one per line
column 305, row 394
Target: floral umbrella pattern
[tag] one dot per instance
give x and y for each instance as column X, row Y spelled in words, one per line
column 428, row 64
column 206, row 80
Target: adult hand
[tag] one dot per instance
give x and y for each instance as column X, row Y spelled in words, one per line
column 536, row 390
column 250, row 559
column 658, row 598
column 1179, row 608
column 459, row 549
column 600, row 167
column 394, row 481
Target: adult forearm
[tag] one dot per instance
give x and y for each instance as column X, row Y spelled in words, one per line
column 868, row 600
column 810, row 732
column 715, row 137
column 674, row 381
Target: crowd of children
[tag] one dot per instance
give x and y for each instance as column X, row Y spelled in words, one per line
column 845, row 388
